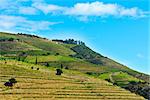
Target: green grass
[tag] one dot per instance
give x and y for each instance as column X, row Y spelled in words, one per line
column 124, row 76
column 49, row 58
column 104, row 75
column 120, row 78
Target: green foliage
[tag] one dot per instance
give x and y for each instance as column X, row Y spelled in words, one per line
column 142, row 88
column 86, row 53
column 13, row 80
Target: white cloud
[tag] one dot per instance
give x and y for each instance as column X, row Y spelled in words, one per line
column 82, row 11
column 17, row 23
column 27, row 10
column 48, row 8
column 92, row 9
column 101, row 9
column 85, row 10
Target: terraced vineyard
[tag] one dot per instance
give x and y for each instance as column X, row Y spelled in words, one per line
column 43, row 84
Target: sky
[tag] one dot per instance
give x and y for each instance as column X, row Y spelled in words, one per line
column 118, row 29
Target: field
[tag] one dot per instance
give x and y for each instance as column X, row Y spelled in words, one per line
column 43, row 84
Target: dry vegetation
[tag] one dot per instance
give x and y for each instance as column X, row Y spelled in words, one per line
column 43, row 84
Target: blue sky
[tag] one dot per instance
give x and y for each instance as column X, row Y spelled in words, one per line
column 118, row 29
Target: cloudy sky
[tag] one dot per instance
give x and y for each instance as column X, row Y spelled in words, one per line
column 115, row 28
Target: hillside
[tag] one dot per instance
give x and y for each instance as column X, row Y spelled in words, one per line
column 73, row 56
column 43, row 84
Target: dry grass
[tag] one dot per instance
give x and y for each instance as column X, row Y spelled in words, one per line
column 45, row 85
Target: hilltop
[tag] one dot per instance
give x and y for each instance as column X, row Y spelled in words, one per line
column 72, row 56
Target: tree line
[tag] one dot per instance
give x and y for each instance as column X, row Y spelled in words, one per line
column 69, row 41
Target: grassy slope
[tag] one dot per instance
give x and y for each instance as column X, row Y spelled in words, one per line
column 49, row 58
column 44, row 84
column 95, row 64
column 39, row 46
column 16, row 46
column 120, row 78
column 87, row 54
column 39, row 43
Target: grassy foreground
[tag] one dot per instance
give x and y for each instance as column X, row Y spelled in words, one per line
column 43, row 84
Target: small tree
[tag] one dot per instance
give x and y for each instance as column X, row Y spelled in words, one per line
column 59, row 71
column 61, row 66
column 8, row 84
column 66, row 67
column 19, row 58
column 36, row 60
column 56, row 54
column 11, row 39
column 13, row 80
column 47, row 64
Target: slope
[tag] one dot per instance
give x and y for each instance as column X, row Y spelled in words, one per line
column 35, row 42
column 34, row 49
column 43, row 84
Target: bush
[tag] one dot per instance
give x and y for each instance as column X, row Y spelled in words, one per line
column 56, row 54
column 11, row 39
column 9, row 84
column 59, row 71
column 47, row 64
column 108, row 80
column 66, row 67
column 13, row 80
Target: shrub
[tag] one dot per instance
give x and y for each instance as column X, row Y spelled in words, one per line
column 59, row 71
column 47, row 64
column 11, row 39
column 56, row 54
column 13, row 80
column 8, row 84
column 66, row 67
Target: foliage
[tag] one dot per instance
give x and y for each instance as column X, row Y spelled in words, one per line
column 142, row 88
column 12, row 80
column 69, row 41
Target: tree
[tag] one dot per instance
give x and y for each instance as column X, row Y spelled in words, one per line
column 36, row 60
column 11, row 39
column 19, row 58
column 61, row 66
column 59, row 71
column 31, row 67
column 56, row 54
column 13, row 80
column 47, row 64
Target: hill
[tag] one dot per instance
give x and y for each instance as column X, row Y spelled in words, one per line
column 72, row 55
column 43, row 84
